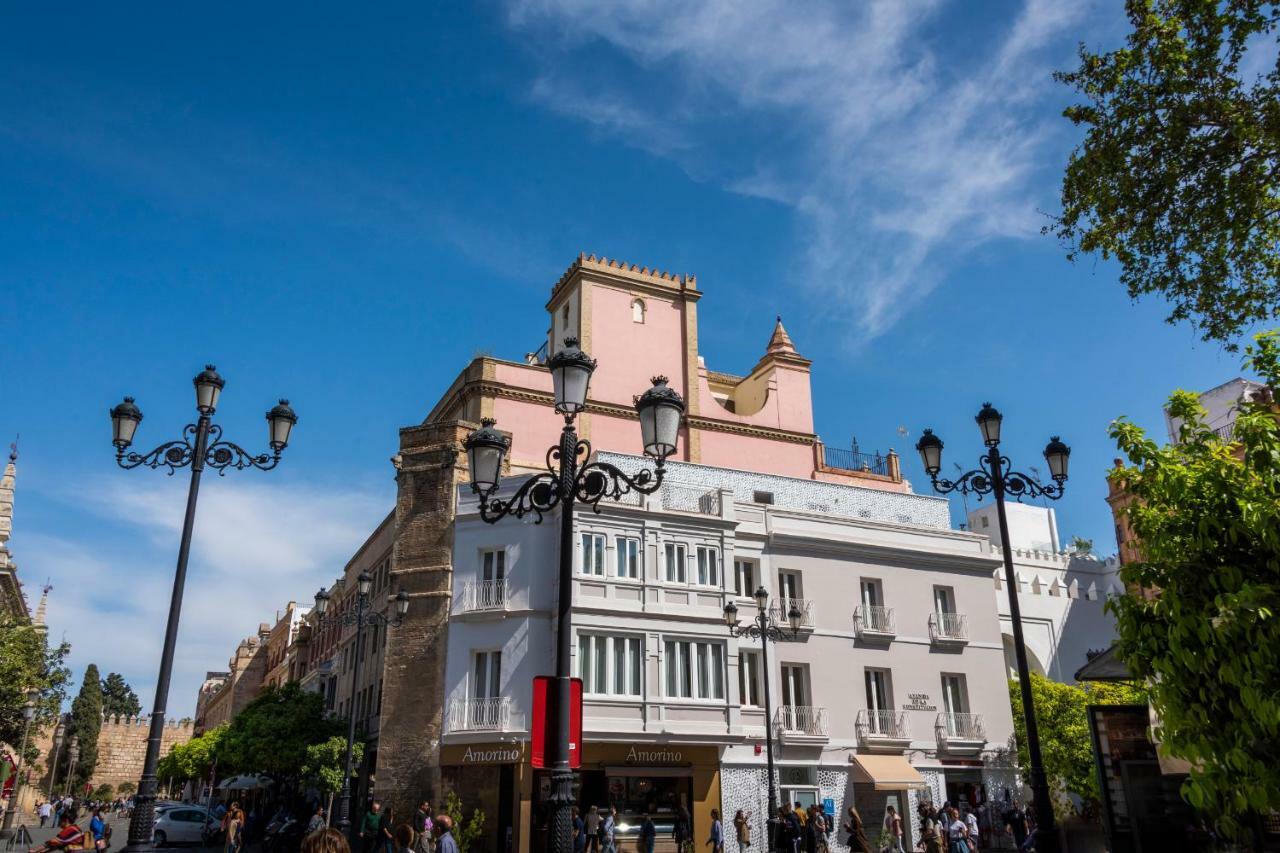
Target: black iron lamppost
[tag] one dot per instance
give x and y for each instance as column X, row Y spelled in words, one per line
column 361, row 618
column 995, row 475
column 59, row 735
column 201, row 445
column 762, row 628
column 564, row 484
column 20, row 768
column 73, row 758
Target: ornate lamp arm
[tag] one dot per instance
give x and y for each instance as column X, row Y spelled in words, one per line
column 755, row 632
column 222, row 455
column 599, row 480
column 172, row 454
column 538, row 495
column 982, row 481
column 358, row 619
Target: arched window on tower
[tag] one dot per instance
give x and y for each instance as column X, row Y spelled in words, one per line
column 637, row 310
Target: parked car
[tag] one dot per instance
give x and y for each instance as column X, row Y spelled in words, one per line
column 182, row 825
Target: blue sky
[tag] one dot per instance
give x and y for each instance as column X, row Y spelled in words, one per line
column 342, row 204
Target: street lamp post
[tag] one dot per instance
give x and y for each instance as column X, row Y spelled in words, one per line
column 564, row 484
column 762, row 628
column 59, row 735
column 28, row 714
column 360, row 618
column 73, row 758
column 201, row 445
column 995, row 476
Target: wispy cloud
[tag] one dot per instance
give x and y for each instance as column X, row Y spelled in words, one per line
column 896, row 156
column 255, row 548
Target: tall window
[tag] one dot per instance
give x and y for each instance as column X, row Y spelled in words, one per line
column 610, row 665
column 749, row 678
column 628, row 558
column 944, row 600
column 878, row 695
column 676, row 570
column 487, row 682
column 694, row 670
column 593, row 554
column 708, row 566
column 744, row 577
column 493, row 565
column 637, row 310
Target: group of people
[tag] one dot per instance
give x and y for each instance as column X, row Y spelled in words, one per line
column 382, row 832
column 71, row 837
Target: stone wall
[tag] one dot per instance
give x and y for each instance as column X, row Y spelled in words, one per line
column 122, row 747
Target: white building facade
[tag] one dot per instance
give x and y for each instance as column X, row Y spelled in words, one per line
column 894, row 689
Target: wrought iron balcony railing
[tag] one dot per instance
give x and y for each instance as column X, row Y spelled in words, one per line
column 961, row 727
column 781, row 607
column 948, row 628
column 480, row 715
column 801, row 720
column 485, row 595
column 891, row 725
column 874, row 620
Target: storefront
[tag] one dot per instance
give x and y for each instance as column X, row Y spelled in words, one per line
column 638, row 780
column 494, row 777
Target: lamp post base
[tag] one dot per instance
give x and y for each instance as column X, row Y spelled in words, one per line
column 561, row 802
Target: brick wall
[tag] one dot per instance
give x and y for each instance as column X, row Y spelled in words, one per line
column 122, row 747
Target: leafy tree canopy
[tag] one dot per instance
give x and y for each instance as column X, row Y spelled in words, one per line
column 1065, row 744
column 1206, row 636
column 195, row 758
column 325, row 761
column 1178, row 177
column 124, row 789
column 118, row 698
column 28, row 663
column 271, row 735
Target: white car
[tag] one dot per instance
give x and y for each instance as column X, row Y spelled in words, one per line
column 182, row 825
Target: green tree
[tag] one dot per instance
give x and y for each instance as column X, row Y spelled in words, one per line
column 194, row 759
column 1065, row 745
column 271, row 735
column 1178, row 176
column 1206, row 635
column 86, row 723
column 325, row 762
column 103, row 793
column 465, row 832
column 28, row 663
column 124, row 789
column 118, row 698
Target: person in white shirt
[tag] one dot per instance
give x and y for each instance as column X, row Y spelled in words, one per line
column 971, row 824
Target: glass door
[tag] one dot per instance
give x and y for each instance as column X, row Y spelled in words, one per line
column 879, row 702
column 956, row 704
column 870, row 593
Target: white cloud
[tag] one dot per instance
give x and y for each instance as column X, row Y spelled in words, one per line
column 896, row 157
column 255, row 548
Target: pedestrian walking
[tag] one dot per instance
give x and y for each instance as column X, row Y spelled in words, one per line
column 579, row 831
column 592, row 824
column 648, row 834
column 957, row 833
column 608, row 831
column 317, row 821
column 931, row 831
column 445, row 842
column 856, row 836
column 386, row 830
column 232, row 829
column 45, row 810
column 971, row 824
column 98, row 829
column 893, row 826
column 682, row 832
column 370, row 827
column 716, row 839
column 424, row 825
column 742, row 829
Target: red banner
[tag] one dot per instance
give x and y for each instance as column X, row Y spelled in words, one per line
column 544, row 720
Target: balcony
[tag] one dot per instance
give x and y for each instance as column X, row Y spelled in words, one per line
column 480, row 715
column 883, row 731
column 948, row 629
column 782, row 606
column 801, row 724
column 874, row 623
column 697, row 499
column 959, row 733
column 484, row 596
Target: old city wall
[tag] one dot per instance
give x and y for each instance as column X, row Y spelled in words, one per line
column 122, row 747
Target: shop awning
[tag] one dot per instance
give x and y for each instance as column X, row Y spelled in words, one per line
column 887, row 772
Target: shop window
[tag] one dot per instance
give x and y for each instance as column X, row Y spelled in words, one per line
column 676, row 570
column 694, row 670
column 708, row 560
column 744, row 577
column 628, row 557
column 749, row 679
column 592, row 562
column 610, row 665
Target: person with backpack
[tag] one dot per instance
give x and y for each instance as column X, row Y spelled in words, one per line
column 100, row 831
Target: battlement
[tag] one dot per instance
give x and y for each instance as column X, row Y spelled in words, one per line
column 139, row 721
column 633, row 272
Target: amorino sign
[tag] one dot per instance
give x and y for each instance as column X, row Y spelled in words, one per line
column 654, row 756
column 492, row 755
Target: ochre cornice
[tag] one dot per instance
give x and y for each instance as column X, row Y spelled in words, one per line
column 628, row 277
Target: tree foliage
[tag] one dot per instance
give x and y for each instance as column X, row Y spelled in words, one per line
column 1065, row 745
column 118, row 698
column 193, row 759
column 104, row 793
column 272, row 734
column 86, row 723
column 1178, row 176
column 465, row 832
column 27, row 663
column 325, row 762
column 1206, row 636
column 124, row 789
